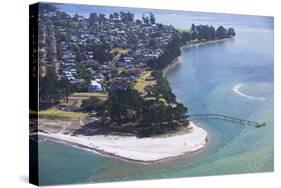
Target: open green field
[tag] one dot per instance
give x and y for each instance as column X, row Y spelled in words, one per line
column 79, row 97
column 102, row 96
column 143, row 81
column 54, row 113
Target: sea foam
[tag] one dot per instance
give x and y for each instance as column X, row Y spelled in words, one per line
column 236, row 90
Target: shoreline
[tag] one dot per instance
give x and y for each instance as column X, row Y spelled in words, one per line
column 176, row 61
column 130, row 148
column 200, row 43
column 146, row 154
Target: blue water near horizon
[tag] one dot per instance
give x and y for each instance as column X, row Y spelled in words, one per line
column 204, row 82
column 172, row 17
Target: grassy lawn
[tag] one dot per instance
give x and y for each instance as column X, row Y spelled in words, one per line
column 154, row 98
column 182, row 30
column 54, row 113
column 84, row 96
column 142, row 82
column 121, row 51
column 102, row 96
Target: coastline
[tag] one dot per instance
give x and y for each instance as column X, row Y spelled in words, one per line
column 176, row 61
column 144, row 150
column 200, row 43
column 131, row 148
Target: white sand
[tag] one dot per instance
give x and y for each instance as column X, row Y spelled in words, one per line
column 139, row 149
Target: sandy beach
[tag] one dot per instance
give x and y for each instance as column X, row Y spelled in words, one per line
column 170, row 66
column 137, row 149
column 199, row 43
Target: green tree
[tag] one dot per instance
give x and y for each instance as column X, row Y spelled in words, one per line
column 138, row 22
column 124, row 105
column 92, row 104
column 102, row 53
column 185, row 37
column 51, row 90
column 194, row 35
column 111, row 16
column 127, row 17
column 93, row 18
column 221, row 32
column 193, row 27
column 151, row 18
column 230, row 32
column 145, row 19
column 48, row 86
column 116, row 15
column 212, row 33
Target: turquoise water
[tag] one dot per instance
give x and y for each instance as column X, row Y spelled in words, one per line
column 216, row 69
column 204, row 82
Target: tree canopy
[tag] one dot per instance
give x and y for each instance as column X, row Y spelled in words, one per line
column 51, row 90
column 102, row 53
column 92, row 104
column 206, row 32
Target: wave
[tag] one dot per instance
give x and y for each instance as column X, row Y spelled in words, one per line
column 236, row 90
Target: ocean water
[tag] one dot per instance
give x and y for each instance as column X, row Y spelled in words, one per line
column 205, row 82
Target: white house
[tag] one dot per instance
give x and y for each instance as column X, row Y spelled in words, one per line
column 95, row 87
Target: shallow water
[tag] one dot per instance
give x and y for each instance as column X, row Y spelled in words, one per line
column 204, row 82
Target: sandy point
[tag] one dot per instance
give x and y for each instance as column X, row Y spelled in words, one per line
column 147, row 150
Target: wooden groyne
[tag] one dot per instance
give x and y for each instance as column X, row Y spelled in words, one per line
column 226, row 118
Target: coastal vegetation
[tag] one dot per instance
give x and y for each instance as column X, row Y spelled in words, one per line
column 206, row 33
column 125, row 59
column 143, row 81
column 147, row 117
column 171, row 52
column 133, row 114
column 52, row 90
column 92, row 104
